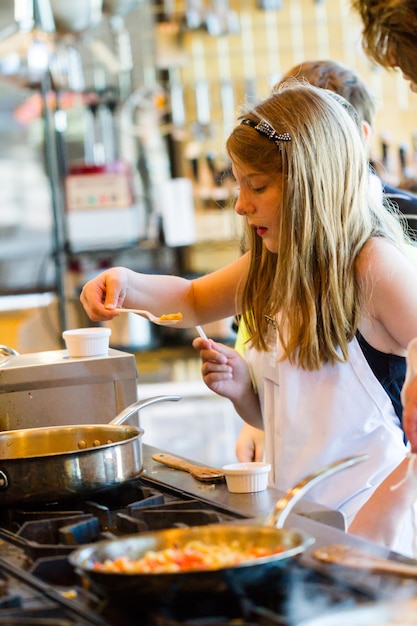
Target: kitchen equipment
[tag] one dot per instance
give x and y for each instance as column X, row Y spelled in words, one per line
column 120, row 7
column 358, row 559
column 246, row 477
column 49, row 464
column 49, row 389
column 77, row 16
column 121, row 586
column 170, row 320
column 176, row 207
column 27, row 46
column 5, row 353
column 205, row 474
column 34, row 547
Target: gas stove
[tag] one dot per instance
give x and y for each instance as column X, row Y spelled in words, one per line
column 39, row 587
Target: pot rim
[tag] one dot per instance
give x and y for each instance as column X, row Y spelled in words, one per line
column 133, row 432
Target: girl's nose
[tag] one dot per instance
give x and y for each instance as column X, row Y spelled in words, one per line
column 242, row 207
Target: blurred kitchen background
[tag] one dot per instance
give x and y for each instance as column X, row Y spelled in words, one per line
column 113, row 115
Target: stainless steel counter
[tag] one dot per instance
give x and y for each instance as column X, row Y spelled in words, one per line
column 249, row 505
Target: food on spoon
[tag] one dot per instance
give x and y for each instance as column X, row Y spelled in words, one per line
column 193, row 556
column 171, row 316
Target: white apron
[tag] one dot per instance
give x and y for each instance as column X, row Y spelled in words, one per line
column 314, row 418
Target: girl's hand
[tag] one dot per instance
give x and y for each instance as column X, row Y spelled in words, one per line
column 224, row 371
column 104, row 293
column 250, row 444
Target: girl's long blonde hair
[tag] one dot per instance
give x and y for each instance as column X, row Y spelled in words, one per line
column 311, row 286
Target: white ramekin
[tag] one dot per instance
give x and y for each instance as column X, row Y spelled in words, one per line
column 84, row 342
column 246, row 477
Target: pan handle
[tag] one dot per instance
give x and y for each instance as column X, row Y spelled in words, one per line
column 4, row 481
column 140, row 404
column 285, row 504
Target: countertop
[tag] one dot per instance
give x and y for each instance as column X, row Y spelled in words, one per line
column 248, row 505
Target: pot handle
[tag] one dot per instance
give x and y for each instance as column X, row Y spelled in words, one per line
column 285, row 504
column 7, row 351
column 4, row 481
column 140, row 404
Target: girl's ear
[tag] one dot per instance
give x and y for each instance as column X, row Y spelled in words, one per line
column 367, row 131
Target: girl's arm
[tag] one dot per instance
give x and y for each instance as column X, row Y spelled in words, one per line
column 206, row 299
column 389, row 323
column 388, row 280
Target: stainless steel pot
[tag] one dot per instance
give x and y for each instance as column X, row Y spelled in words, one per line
column 123, row 586
column 49, row 464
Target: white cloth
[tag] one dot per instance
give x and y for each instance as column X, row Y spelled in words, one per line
column 312, row 419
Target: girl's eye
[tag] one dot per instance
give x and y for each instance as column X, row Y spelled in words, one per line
column 259, row 189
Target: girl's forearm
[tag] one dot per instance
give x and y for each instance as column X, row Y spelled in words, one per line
column 249, row 408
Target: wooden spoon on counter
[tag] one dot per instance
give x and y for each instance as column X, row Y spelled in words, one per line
column 205, row 474
column 351, row 557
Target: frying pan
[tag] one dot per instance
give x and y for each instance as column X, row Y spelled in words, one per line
column 49, row 464
column 123, row 587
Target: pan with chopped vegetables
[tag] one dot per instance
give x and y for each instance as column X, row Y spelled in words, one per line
column 201, row 557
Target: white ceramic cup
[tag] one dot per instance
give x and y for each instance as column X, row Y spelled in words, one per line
column 84, row 342
column 246, row 477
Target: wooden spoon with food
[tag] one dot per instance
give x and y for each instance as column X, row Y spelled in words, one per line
column 205, row 474
column 351, row 557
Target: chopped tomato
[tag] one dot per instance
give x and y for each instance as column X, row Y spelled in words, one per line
column 194, row 556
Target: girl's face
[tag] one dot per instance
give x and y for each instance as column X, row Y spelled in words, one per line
column 259, row 199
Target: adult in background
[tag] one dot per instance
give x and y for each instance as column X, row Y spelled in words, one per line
column 389, row 37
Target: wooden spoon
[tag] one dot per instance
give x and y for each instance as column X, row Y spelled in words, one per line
column 350, row 557
column 205, row 474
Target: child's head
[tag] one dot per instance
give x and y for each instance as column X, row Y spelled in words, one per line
column 321, row 155
column 311, row 139
column 335, row 76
